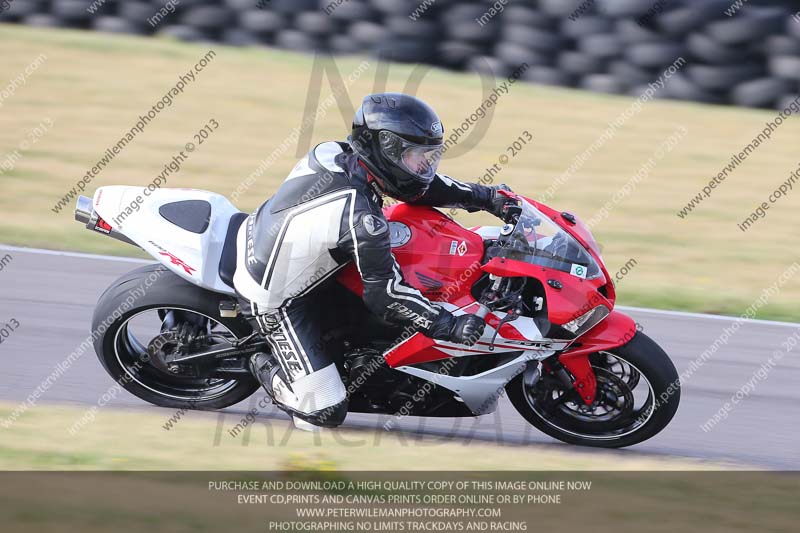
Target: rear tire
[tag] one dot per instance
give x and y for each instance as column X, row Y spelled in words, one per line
column 652, row 363
column 161, row 289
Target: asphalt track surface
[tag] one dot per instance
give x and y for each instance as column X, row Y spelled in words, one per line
column 52, row 296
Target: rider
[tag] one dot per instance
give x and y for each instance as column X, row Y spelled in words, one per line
column 327, row 213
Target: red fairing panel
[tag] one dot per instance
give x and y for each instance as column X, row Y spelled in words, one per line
column 416, row 349
column 436, row 254
column 614, row 331
column 576, row 297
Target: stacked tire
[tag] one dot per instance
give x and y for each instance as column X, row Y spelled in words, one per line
column 746, row 55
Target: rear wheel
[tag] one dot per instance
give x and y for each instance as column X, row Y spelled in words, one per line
column 150, row 312
column 638, row 392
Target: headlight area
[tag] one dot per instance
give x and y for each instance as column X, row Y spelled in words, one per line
column 586, row 321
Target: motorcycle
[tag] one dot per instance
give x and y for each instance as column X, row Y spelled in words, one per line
column 580, row 371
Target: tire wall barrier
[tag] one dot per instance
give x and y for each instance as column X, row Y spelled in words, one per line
column 738, row 52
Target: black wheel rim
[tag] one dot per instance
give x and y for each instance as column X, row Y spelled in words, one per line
column 624, row 401
column 130, row 348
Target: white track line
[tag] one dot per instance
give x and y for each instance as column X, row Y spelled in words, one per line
column 686, row 314
column 75, row 254
column 663, row 312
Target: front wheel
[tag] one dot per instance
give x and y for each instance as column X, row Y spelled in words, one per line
column 638, row 392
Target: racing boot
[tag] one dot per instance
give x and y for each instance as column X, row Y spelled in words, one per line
column 270, row 374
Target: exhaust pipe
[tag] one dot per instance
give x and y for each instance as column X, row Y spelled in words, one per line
column 85, row 214
column 83, row 209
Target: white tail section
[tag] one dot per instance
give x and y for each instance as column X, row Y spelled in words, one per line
column 184, row 229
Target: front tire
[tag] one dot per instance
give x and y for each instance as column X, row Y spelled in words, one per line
column 154, row 289
column 639, row 363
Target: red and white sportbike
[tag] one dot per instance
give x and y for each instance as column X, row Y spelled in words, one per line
column 571, row 365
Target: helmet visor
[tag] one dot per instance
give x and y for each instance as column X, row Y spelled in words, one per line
column 421, row 160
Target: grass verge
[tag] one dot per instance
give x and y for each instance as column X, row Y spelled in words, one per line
column 136, row 440
column 174, row 492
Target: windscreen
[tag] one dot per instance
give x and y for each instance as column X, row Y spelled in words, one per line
column 538, row 240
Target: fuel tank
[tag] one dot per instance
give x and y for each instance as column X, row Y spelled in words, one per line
column 436, row 254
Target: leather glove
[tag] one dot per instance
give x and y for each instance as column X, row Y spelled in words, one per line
column 467, row 329
column 499, row 201
column 463, row 329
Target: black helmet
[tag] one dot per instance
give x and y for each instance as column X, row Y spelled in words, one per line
column 399, row 139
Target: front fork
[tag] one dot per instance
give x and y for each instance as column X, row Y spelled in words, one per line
column 575, row 372
column 616, row 330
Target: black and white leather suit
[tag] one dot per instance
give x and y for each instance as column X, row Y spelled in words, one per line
column 324, row 215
